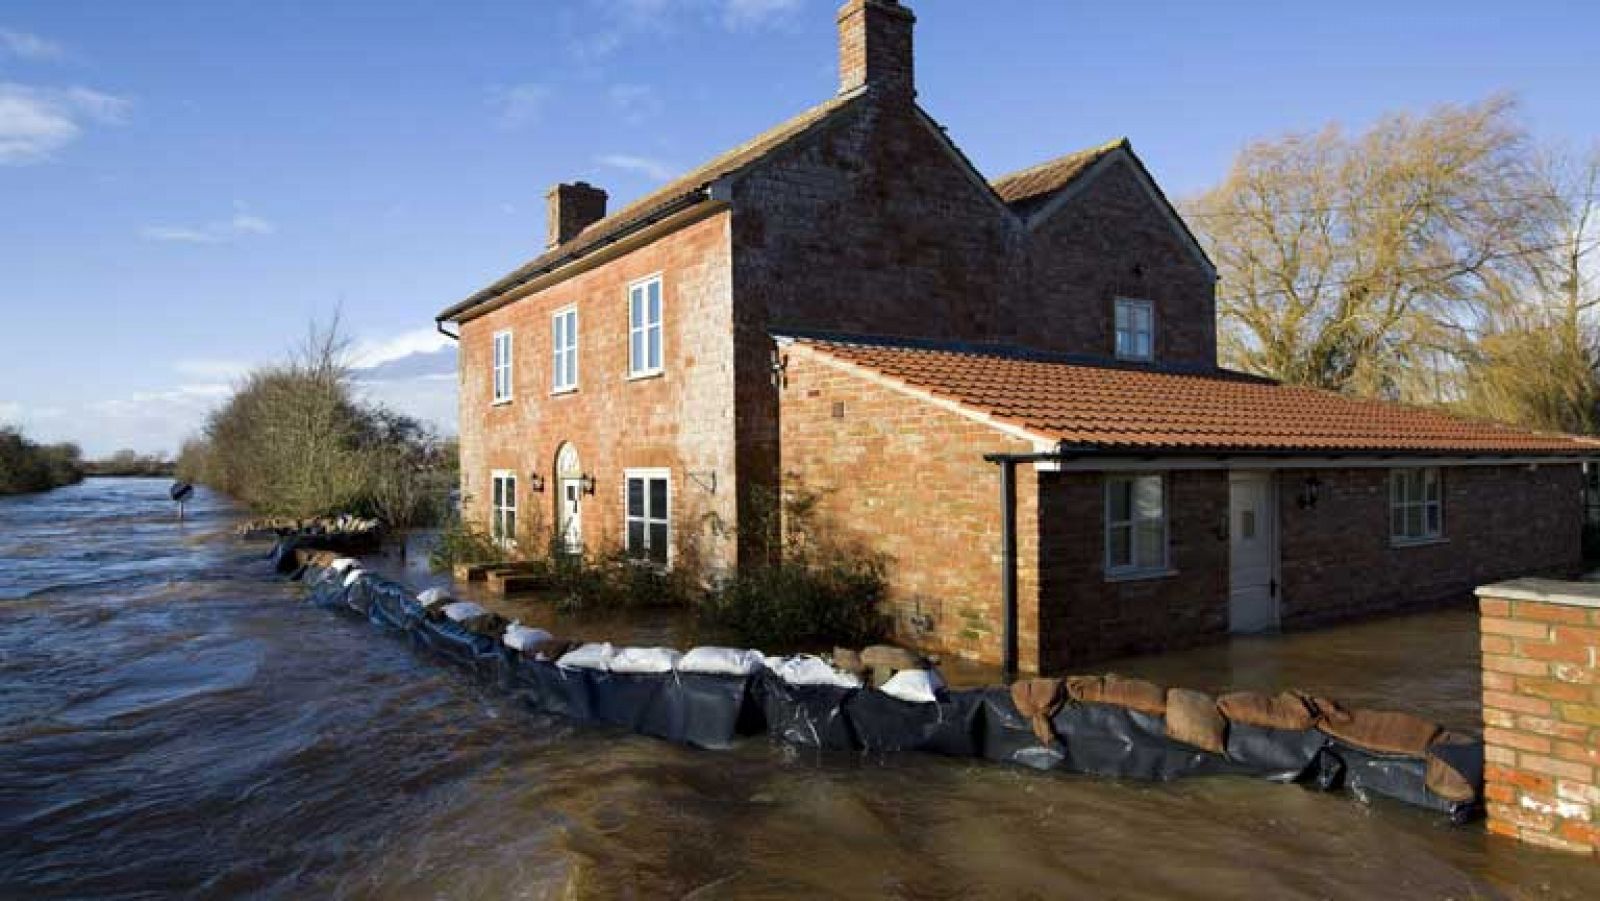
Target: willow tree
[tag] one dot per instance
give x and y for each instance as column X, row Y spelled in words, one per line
column 1353, row 262
column 1537, row 353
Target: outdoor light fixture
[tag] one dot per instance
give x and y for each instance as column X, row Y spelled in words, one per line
column 586, row 482
column 536, row 482
column 1310, row 490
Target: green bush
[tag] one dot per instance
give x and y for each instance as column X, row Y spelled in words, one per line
column 802, row 603
column 611, row 581
column 461, row 543
column 293, row 440
column 27, row 467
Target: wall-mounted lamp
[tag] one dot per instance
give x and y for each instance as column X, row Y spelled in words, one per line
column 1310, row 492
column 536, row 482
column 586, row 484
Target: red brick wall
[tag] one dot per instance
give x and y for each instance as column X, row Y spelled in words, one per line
column 1084, row 616
column 1541, row 712
column 1499, row 522
column 906, row 478
column 1112, row 240
column 682, row 420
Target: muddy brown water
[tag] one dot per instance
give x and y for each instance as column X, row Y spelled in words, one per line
column 176, row 723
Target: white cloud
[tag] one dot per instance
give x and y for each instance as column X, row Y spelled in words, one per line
column 738, row 14
column 635, row 102
column 37, row 122
column 520, row 105
column 241, row 225
column 370, row 353
column 23, row 45
column 643, row 165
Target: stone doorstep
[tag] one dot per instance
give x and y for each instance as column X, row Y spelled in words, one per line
column 503, row 582
column 479, row 572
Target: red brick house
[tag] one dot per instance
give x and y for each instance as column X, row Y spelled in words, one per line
column 846, row 305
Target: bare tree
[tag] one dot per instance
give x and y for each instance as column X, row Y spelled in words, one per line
column 1348, row 262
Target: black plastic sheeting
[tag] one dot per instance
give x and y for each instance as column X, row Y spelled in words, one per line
column 713, row 711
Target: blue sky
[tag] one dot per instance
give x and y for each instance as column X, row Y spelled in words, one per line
column 183, row 185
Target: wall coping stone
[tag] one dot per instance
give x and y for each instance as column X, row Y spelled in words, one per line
column 1547, row 591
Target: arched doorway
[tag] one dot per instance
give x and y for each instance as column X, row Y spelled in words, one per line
column 569, row 496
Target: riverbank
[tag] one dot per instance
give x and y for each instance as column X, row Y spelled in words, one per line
column 175, row 722
column 27, row 467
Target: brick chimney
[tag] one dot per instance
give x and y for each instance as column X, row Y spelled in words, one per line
column 571, row 209
column 875, row 48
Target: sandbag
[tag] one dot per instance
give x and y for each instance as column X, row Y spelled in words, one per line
column 1134, row 694
column 548, row 688
column 1279, row 755
column 521, row 638
column 626, row 699
column 1193, row 719
column 644, row 660
column 1038, row 700
column 883, row 723
column 1285, row 711
column 592, row 656
column 809, row 715
column 393, row 608
column 705, row 710
column 1398, row 777
column 552, row 649
column 1455, row 767
column 1382, row 731
column 914, row 686
column 721, row 661
column 805, row 669
column 1008, row 736
column 1124, row 743
column 454, row 642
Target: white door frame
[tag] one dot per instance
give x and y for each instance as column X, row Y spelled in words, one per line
column 570, row 516
column 1274, row 541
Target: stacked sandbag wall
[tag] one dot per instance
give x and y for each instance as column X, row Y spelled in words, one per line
column 883, row 700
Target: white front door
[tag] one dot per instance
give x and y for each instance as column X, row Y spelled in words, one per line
column 571, row 515
column 1253, row 552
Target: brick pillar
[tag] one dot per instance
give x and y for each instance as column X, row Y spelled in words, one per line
column 1541, row 711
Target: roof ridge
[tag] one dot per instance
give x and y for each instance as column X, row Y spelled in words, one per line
column 1105, row 147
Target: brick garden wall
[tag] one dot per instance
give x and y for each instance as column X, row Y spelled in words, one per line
column 1500, row 522
column 1541, row 712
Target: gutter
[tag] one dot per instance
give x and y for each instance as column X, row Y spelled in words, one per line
column 694, row 198
column 1095, row 457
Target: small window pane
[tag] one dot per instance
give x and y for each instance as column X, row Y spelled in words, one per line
column 1121, row 501
column 636, row 538
column 1150, row 549
column 1431, row 476
column 637, row 356
column 636, row 304
column 1397, row 521
column 1120, row 551
column 655, row 348
column 655, row 301
column 658, row 542
column 658, row 498
column 1147, row 497
column 1433, row 519
column 511, row 524
column 636, row 497
column 1413, row 521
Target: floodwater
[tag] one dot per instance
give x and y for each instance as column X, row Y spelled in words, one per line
column 175, row 723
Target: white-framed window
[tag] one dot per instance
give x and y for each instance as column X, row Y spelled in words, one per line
column 644, row 327
column 648, row 509
column 564, row 342
column 1136, row 329
column 1136, row 524
column 503, row 507
column 502, row 366
column 1416, row 505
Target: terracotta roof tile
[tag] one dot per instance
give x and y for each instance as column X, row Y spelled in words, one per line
column 1138, row 409
column 680, row 189
column 1027, row 190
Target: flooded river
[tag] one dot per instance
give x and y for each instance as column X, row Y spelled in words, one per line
column 175, row 723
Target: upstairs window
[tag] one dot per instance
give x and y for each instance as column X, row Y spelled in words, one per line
column 1136, row 525
column 503, row 508
column 1136, row 330
column 1416, row 507
column 564, row 341
column 649, row 515
column 644, row 328
column 502, row 367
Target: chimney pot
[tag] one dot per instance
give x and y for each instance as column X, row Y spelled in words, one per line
column 570, row 209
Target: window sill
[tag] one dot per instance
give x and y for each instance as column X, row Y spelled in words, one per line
column 1398, row 543
column 562, row 392
column 503, row 402
column 1140, row 575
column 645, row 376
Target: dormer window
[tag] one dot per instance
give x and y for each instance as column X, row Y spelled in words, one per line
column 1136, row 330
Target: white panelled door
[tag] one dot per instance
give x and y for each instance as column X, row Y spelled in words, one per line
column 1253, row 552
